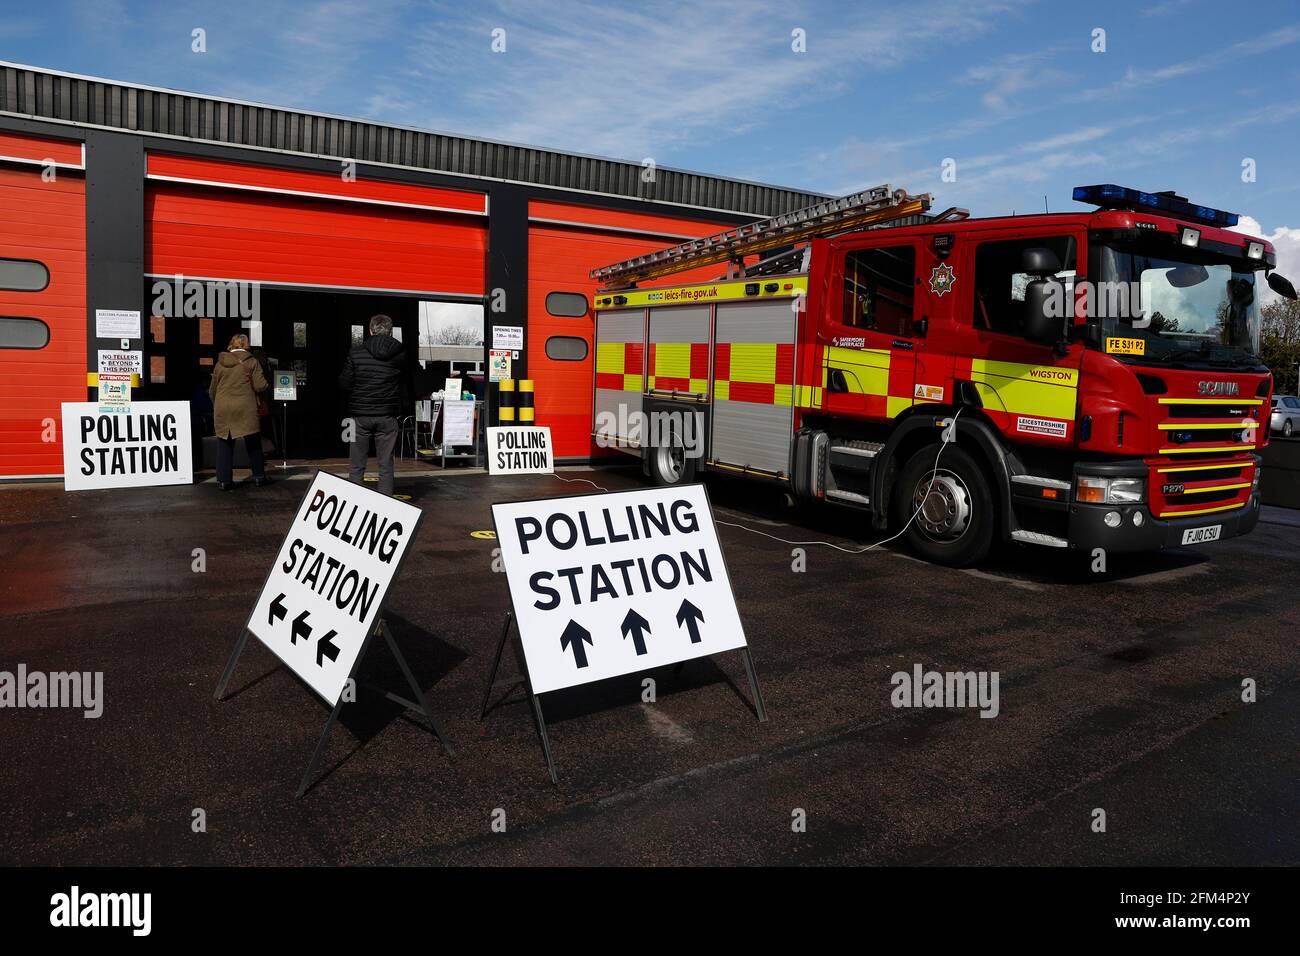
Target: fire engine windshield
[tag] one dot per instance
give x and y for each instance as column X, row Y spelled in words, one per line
column 1176, row 305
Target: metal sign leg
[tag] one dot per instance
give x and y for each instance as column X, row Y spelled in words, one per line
column 536, row 701
column 320, row 749
column 753, row 686
column 230, row 665
column 420, row 695
column 496, row 665
column 541, row 732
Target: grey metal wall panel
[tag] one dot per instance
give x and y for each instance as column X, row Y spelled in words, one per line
column 41, row 94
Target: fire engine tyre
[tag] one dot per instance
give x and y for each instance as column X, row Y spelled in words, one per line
column 670, row 465
column 955, row 517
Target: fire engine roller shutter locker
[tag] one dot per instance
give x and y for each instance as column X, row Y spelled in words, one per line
column 753, row 384
column 566, row 241
column 41, row 221
column 210, row 219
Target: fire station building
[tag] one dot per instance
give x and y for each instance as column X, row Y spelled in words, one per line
column 115, row 198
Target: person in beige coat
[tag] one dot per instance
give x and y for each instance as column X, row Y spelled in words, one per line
column 237, row 378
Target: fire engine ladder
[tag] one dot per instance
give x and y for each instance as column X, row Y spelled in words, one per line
column 869, row 208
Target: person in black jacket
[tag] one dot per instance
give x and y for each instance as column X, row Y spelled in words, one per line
column 374, row 375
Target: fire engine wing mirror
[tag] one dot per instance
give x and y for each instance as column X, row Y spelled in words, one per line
column 1281, row 286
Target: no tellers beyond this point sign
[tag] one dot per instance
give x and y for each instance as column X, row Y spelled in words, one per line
column 615, row 583
column 324, row 592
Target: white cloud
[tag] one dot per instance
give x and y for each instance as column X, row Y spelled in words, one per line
column 1135, row 79
column 650, row 81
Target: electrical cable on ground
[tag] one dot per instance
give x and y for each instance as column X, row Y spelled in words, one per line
column 949, row 435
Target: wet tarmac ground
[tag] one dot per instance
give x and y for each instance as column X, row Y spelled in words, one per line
column 1119, row 691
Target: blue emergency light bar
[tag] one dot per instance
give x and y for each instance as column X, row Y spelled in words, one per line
column 1110, row 196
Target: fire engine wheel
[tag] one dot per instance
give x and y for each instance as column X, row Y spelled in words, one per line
column 670, row 466
column 952, row 503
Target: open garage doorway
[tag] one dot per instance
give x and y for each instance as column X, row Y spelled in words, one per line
column 304, row 332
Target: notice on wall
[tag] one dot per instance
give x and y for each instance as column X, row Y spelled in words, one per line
column 519, row 450
column 117, row 323
column 114, row 393
column 507, row 336
column 148, row 444
column 121, row 361
column 615, row 583
column 457, row 422
column 285, row 386
column 330, row 579
column 498, row 365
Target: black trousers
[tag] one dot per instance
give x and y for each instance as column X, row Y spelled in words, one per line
column 226, row 456
column 383, row 429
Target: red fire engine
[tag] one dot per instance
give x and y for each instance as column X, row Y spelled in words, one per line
column 1073, row 380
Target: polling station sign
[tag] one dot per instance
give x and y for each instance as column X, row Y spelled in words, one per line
column 520, row 450
column 615, row 583
column 330, row 579
column 141, row 444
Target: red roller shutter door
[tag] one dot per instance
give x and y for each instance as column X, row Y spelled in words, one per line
column 45, row 220
column 209, row 219
column 566, row 241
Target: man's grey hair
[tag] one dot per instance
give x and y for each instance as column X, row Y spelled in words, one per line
column 381, row 325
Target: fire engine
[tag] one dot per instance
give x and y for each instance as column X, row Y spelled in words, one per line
column 1079, row 380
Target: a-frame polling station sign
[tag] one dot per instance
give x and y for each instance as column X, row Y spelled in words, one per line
column 329, row 582
column 614, row 583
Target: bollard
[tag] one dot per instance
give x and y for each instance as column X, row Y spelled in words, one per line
column 525, row 404
column 506, row 401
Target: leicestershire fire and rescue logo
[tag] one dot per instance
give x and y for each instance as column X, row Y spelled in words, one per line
column 942, row 279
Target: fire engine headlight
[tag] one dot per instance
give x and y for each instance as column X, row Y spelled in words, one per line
column 1125, row 491
column 1109, row 491
column 1188, row 236
column 1254, row 250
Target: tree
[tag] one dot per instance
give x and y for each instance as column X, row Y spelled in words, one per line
column 1280, row 342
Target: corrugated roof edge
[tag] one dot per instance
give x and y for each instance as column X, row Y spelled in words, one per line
column 793, row 199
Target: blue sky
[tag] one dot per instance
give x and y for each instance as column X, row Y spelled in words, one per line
column 1185, row 91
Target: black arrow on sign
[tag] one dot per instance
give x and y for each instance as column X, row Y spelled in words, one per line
column 692, row 617
column 638, row 627
column 300, row 628
column 326, row 647
column 278, row 610
column 573, row 636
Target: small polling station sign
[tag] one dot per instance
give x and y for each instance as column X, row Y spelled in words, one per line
column 285, row 387
column 329, row 581
column 615, row 583
column 132, row 446
column 323, row 599
column 519, row 450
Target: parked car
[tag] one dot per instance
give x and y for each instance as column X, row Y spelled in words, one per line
column 1286, row 414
